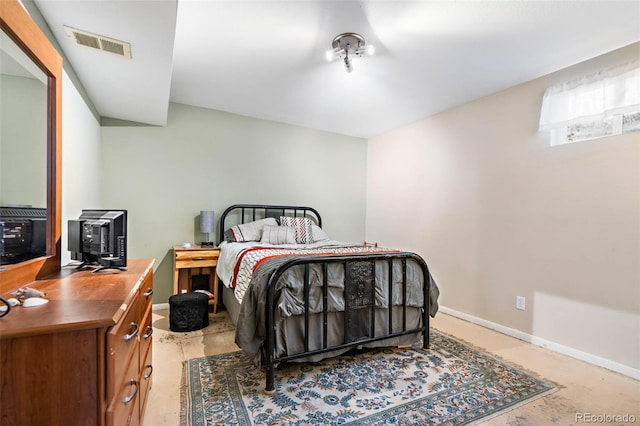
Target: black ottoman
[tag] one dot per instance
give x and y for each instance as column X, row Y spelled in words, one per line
column 188, row 311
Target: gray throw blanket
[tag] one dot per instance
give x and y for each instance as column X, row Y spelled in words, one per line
column 250, row 327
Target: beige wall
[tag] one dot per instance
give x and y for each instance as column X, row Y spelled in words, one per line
column 205, row 159
column 497, row 213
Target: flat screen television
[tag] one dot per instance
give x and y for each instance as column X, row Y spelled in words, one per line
column 99, row 237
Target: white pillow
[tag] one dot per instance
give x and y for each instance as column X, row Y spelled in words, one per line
column 318, row 234
column 278, row 235
column 251, row 231
column 302, row 226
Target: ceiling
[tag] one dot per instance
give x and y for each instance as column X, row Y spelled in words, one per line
column 266, row 59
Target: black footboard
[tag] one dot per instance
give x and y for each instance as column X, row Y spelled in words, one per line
column 359, row 300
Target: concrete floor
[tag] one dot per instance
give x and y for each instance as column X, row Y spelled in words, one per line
column 584, row 389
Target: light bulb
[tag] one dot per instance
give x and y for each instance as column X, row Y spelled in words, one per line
column 347, row 64
column 329, row 55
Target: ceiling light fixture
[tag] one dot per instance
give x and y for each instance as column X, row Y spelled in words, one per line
column 347, row 45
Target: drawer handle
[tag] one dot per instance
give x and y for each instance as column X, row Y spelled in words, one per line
column 7, row 304
column 149, row 332
column 128, row 399
column 150, row 367
column 198, row 258
column 133, row 328
column 148, row 293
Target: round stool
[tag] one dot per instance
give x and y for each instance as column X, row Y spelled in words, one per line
column 188, row 311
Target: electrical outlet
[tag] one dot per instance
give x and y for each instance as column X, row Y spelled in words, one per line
column 521, row 302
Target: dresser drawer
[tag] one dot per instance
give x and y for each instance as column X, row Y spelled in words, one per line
column 124, row 407
column 146, row 378
column 121, row 340
column 146, row 291
column 146, row 333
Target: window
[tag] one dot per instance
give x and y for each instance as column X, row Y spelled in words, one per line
column 603, row 104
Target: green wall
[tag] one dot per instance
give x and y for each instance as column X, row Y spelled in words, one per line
column 205, row 159
column 23, row 141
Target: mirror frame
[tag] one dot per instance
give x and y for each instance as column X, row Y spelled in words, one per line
column 22, row 29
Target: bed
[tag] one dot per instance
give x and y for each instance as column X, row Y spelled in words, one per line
column 296, row 295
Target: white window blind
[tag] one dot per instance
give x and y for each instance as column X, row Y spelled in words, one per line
column 598, row 105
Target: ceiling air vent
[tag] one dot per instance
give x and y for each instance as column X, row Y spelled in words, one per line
column 96, row 41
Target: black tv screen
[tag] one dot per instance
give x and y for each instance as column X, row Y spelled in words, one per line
column 23, row 233
column 99, row 237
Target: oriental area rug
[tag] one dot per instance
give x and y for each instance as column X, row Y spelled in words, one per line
column 451, row 383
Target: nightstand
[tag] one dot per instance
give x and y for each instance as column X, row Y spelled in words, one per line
column 192, row 261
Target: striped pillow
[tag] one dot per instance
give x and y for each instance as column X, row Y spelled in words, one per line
column 302, row 225
column 278, row 235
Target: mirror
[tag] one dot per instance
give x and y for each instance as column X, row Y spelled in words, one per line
column 30, row 158
column 23, row 155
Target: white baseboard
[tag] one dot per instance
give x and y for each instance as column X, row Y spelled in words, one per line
column 159, row 306
column 556, row 347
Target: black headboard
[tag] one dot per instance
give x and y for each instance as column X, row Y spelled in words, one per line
column 243, row 213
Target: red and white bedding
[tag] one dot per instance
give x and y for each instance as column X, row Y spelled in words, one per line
column 238, row 261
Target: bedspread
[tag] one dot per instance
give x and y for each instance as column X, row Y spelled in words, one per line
column 250, row 327
column 251, row 257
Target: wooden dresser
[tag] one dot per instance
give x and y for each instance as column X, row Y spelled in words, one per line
column 84, row 358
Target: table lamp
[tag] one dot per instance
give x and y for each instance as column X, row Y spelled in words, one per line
column 206, row 226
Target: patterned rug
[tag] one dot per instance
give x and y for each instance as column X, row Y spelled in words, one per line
column 449, row 384
column 218, row 323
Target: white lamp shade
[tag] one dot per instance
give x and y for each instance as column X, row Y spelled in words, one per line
column 206, row 221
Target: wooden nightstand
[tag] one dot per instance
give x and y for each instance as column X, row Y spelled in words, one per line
column 195, row 260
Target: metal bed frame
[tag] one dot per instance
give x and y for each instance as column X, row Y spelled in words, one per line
column 359, row 289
